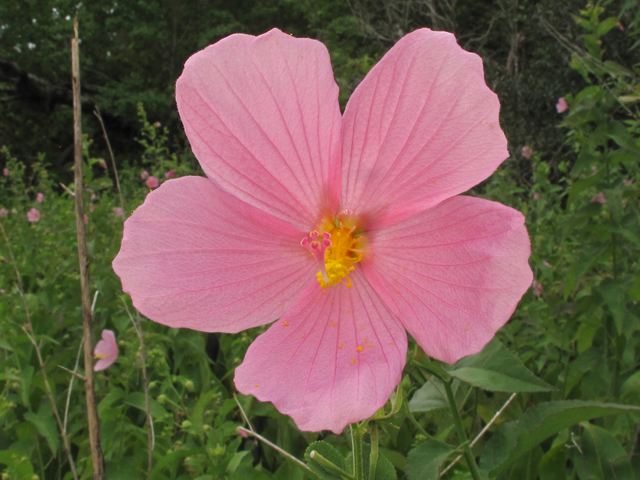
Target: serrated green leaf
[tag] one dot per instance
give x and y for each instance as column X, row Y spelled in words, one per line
column 136, row 399
column 496, row 369
column 513, row 439
column 431, row 396
column 46, row 425
column 330, row 453
column 602, row 457
column 384, row 469
column 425, row 460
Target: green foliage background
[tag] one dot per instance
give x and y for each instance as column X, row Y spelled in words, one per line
column 571, row 350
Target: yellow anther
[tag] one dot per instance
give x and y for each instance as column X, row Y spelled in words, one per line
column 346, row 249
column 360, row 349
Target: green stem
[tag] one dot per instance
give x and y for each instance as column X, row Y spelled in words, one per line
column 356, row 439
column 373, row 460
column 462, row 436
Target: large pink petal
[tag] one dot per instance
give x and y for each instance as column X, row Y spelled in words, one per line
column 421, row 127
column 454, row 274
column 334, row 358
column 263, row 119
column 195, row 256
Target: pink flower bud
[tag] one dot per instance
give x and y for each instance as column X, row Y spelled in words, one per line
column 152, row 182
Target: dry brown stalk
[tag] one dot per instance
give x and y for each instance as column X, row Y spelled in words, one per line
column 92, row 410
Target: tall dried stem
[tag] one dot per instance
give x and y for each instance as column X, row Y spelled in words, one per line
column 92, row 410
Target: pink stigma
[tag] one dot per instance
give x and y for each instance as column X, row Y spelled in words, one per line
column 317, row 243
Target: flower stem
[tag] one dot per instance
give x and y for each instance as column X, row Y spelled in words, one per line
column 356, row 439
column 373, row 459
column 329, row 465
column 462, row 436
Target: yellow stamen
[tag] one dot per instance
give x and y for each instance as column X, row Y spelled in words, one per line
column 347, row 249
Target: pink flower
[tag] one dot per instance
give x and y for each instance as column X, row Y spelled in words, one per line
column 347, row 230
column 626, row 182
column 93, row 196
column 599, row 198
column 537, row 288
column 86, row 219
column 103, row 164
column 562, row 105
column 106, row 351
column 536, row 196
column 118, row 212
column 40, row 197
column 91, row 207
column 3, row 212
column 5, row 172
column 527, row 152
column 546, row 264
column 33, row 215
column 144, row 175
column 157, row 124
column 170, row 174
column 152, row 182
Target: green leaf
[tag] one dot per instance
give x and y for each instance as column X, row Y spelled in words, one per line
column 431, row 396
column 46, row 425
column 4, row 344
column 613, row 293
column 602, row 457
column 553, row 465
column 512, row 440
column 579, row 267
column 384, row 469
column 136, row 399
column 619, row 134
column 197, row 416
column 331, row 454
column 496, row 369
column 110, row 398
column 425, row 460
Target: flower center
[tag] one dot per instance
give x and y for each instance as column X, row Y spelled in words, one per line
column 337, row 246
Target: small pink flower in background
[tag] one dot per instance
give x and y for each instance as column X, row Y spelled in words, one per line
column 536, row 196
column 1, row 290
column 158, row 124
column 33, row 215
column 152, row 182
column 93, row 196
column 562, row 105
column 527, row 151
column 91, row 207
column 620, row 27
column 118, row 212
column 106, row 351
column 599, row 198
column 5, row 172
column 144, row 175
column 40, row 197
column 546, row 264
column 242, row 433
column 170, row 174
column 626, row 182
column 86, row 219
column 103, row 164
column 3, row 212
column 349, row 230
column 537, row 288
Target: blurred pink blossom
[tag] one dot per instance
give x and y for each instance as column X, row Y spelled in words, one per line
column 103, row 164
column 599, row 198
column 152, row 182
column 546, row 264
column 170, row 174
column 289, row 178
column 537, row 288
column 33, row 215
column 3, row 212
column 86, row 219
column 144, row 175
column 620, row 27
column 158, row 124
column 118, row 212
column 93, row 196
column 562, row 105
column 106, row 351
column 626, row 182
column 5, row 172
column 536, row 196
column 527, row 151
column 40, row 197
column 91, row 207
